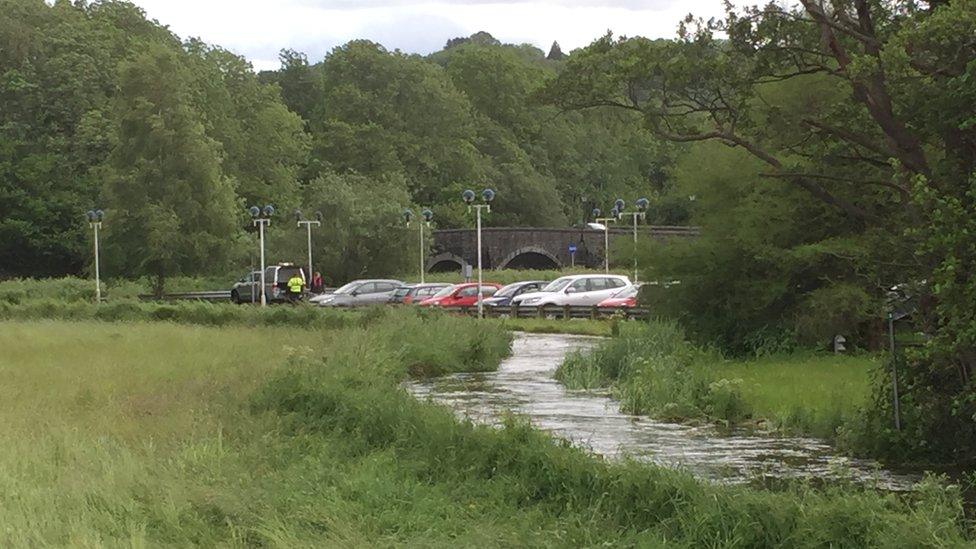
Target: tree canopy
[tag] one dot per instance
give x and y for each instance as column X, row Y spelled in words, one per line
column 76, row 121
column 854, row 152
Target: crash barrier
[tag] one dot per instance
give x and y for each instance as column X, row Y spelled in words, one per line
column 566, row 312
column 218, row 295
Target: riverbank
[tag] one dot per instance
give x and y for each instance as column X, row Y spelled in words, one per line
column 654, row 371
column 169, row 434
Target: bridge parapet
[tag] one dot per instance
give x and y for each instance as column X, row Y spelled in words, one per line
column 534, row 248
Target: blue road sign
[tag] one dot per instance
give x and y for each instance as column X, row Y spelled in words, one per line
column 572, row 248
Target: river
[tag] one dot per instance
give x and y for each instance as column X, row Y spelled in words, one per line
column 524, row 385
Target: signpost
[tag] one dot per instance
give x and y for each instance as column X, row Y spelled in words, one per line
column 572, row 255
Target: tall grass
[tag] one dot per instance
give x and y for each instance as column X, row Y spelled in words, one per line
column 70, row 289
column 578, row 326
column 186, row 312
column 151, row 434
column 655, row 371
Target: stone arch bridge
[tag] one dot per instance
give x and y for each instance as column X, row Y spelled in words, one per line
column 533, row 248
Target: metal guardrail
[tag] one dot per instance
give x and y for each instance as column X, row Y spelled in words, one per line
column 219, row 295
column 563, row 312
column 216, row 295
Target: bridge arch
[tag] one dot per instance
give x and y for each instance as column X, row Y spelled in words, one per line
column 445, row 263
column 530, row 257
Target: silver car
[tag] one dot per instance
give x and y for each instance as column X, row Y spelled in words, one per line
column 245, row 290
column 359, row 293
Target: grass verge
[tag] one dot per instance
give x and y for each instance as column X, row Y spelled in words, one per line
column 655, row 371
column 164, row 434
column 553, row 326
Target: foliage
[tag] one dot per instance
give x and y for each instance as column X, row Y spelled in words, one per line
column 770, row 269
column 183, row 312
column 80, row 129
column 172, row 208
column 653, row 370
column 362, row 234
column 289, row 437
column 65, row 290
column 862, row 110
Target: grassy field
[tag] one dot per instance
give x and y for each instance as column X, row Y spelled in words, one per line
column 803, row 393
column 147, row 434
column 654, row 371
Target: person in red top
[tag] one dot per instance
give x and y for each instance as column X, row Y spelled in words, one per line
column 317, row 283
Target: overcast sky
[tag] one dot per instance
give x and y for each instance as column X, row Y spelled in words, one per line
column 259, row 29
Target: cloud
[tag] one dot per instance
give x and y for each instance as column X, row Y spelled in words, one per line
column 258, row 29
column 354, row 4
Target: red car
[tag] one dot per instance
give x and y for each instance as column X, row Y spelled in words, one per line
column 625, row 298
column 460, row 295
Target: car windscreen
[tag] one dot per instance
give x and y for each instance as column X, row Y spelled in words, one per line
column 444, row 292
column 557, row 285
column 508, row 291
column 401, row 291
column 348, row 288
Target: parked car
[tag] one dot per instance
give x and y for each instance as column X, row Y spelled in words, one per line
column 396, row 298
column 419, row 292
column 625, row 298
column 276, row 281
column 461, row 295
column 245, row 290
column 575, row 290
column 503, row 297
column 359, row 293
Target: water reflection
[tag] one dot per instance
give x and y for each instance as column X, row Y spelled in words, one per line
column 524, row 385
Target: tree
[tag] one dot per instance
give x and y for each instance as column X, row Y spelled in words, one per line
column 362, row 232
column 887, row 141
column 555, row 53
column 172, row 209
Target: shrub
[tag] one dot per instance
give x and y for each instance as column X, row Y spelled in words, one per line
column 843, row 309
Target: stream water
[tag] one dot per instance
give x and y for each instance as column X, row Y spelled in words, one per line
column 524, row 385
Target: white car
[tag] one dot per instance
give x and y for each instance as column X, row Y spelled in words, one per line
column 574, row 290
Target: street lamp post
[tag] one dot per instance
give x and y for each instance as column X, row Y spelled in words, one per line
column 308, row 227
column 260, row 218
column 95, row 218
column 605, row 221
column 427, row 216
column 641, row 205
column 487, row 196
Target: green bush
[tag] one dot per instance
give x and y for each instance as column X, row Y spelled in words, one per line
column 842, row 309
